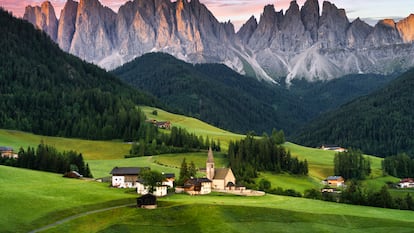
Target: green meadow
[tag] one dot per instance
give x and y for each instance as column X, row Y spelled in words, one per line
column 193, row 125
column 89, row 149
column 35, row 199
column 32, row 199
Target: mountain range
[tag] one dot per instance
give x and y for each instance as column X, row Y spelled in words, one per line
column 298, row 43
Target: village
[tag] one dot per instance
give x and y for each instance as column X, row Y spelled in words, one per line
column 220, row 180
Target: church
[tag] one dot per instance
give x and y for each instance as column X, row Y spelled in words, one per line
column 222, row 178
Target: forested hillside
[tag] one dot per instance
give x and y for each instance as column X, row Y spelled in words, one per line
column 46, row 91
column 381, row 123
column 214, row 93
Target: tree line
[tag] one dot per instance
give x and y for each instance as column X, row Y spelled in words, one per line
column 351, row 164
column 179, row 140
column 250, row 155
column 356, row 195
column 47, row 158
column 401, row 166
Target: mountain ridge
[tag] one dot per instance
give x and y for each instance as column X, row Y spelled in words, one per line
column 300, row 43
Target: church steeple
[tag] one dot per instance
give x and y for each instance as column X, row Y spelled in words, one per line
column 210, row 165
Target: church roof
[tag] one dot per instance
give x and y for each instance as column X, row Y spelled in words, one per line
column 220, row 173
column 210, row 157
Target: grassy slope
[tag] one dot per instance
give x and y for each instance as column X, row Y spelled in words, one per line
column 31, row 199
column 57, row 197
column 193, row 126
column 214, row 213
column 89, row 149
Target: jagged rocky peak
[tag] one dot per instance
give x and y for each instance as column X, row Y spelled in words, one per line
column 406, row 29
column 310, row 18
column 247, row 30
column 43, row 17
column 300, row 43
column 385, row 33
column 332, row 26
column 357, row 33
column 94, row 35
column 66, row 27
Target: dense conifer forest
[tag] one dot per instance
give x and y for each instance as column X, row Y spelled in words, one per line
column 46, row 91
column 249, row 156
column 381, row 123
column 47, row 158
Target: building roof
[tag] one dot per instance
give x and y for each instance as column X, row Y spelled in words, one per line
column 210, row 156
column 407, row 180
column 168, row 175
column 6, row 148
column 128, row 170
column 220, row 173
column 334, row 178
column 196, row 181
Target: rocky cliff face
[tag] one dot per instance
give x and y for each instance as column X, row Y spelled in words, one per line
column 326, row 46
column 299, row 43
column 43, row 17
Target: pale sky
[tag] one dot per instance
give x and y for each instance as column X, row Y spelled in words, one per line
column 239, row 11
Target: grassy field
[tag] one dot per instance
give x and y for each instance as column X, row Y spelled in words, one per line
column 221, row 213
column 102, row 156
column 31, row 199
column 34, row 199
column 193, row 125
column 89, row 149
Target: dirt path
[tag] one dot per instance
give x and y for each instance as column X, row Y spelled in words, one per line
column 77, row 216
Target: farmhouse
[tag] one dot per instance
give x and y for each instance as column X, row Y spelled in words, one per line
column 169, row 179
column 222, row 178
column 333, row 148
column 159, row 191
column 334, row 181
column 7, row 152
column 197, row 186
column 160, row 124
column 72, row 174
column 406, row 183
column 126, row 177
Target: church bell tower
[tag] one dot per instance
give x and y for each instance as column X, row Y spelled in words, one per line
column 210, row 165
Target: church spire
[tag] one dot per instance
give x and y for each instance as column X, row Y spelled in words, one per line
column 210, row 157
column 210, row 168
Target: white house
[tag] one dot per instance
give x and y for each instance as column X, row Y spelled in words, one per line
column 333, row 147
column 159, row 191
column 406, row 183
column 169, row 179
column 197, row 186
column 126, row 177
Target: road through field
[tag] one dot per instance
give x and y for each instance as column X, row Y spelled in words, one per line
column 77, row 216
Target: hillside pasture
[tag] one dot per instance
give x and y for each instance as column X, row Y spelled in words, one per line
column 89, row 149
column 224, row 213
column 193, row 125
column 32, row 199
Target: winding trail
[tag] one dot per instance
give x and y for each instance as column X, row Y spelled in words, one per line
column 78, row 216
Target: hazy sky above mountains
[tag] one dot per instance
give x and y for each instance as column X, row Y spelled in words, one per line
column 239, row 11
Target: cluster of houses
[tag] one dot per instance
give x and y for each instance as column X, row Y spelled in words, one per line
column 217, row 179
column 7, row 152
